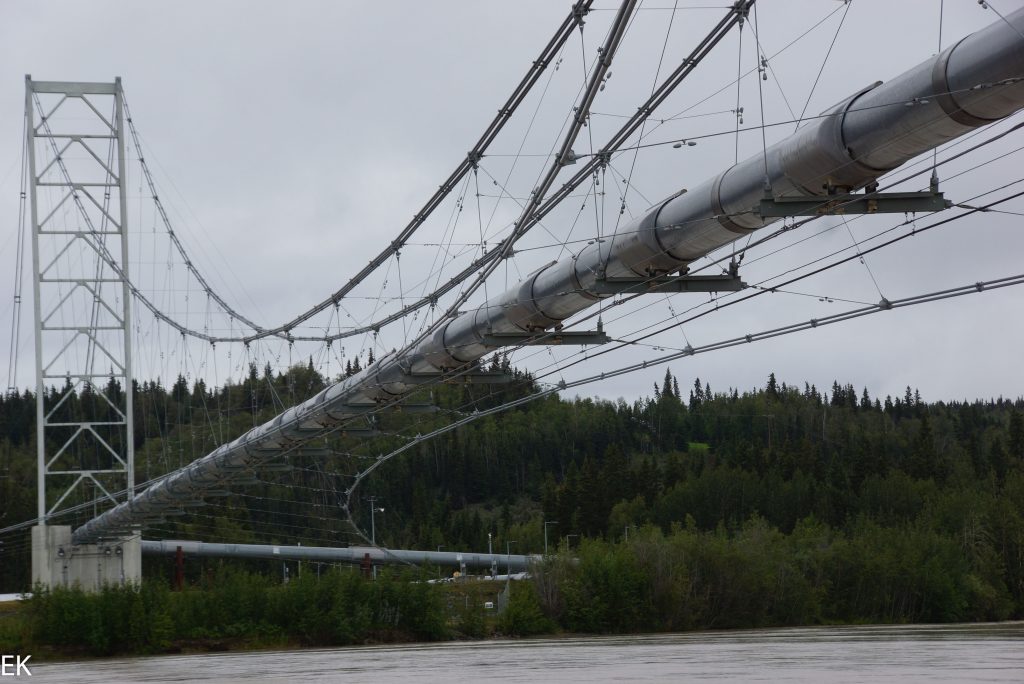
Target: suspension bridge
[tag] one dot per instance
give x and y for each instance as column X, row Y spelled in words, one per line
column 554, row 261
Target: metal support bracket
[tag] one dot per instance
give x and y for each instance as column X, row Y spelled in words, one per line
column 868, row 203
column 358, row 432
column 416, row 408
column 403, row 408
column 243, row 482
column 310, row 429
column 696, row 283
column 546, row 338
column 273, row 467
column 311, row 452
column 474, row 377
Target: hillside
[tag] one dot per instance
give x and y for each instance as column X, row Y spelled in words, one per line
column 886, row 508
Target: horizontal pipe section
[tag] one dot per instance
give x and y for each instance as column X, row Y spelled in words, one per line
column 352, row 554
column 874, row 130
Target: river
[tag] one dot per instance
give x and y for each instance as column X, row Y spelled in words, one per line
column 907, row 654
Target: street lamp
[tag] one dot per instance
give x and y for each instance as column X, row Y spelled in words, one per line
column 373, row 522
column 439, row 547
column 567, row 537
column 546, row 523
column 373, row 526
column 490, row 552
column 508, row 559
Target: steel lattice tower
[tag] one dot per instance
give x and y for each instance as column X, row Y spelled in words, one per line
column 78, row 208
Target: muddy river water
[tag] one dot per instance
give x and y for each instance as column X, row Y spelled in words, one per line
column 904, row 654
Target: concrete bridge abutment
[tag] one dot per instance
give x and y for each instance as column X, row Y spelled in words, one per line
column 56, row 562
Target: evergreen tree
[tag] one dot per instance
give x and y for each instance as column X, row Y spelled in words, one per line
column 696, row 396
column 920, row 464
column 1016, row 434
column 667, row 384
column 1000, row 463
column 865, row 400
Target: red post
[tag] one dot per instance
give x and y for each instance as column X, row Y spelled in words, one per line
column 367, row 565
column 179, row 569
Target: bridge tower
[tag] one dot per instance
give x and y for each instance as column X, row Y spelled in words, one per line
column 82, row 304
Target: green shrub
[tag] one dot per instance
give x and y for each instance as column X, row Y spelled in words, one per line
column 523, row 615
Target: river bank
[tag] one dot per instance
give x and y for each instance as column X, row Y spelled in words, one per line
column 243, row 613
column 656, row 582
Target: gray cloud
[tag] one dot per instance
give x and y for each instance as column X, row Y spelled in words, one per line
column 296, row 140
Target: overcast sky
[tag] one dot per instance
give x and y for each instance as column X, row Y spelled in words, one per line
column 292, row 141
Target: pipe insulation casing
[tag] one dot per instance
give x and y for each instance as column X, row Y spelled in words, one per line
column 351, row 554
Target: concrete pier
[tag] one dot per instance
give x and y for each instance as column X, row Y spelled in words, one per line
column 56, row 562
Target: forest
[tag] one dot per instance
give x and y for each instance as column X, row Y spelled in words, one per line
column 689, row 508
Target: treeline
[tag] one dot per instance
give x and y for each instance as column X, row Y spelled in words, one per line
column 882, row 479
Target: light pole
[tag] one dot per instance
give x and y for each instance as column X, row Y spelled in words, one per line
column 439, row 547
column 490, row 552
column 546, row 523
column 373, row 522
column 508, row 559
column 373, row 526
column 567, row 537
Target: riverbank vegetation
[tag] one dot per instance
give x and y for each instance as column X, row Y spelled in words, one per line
column 234, row 609
column 685, row 579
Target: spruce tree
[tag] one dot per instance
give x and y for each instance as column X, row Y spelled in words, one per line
column 1016, row 434
column 920, row 464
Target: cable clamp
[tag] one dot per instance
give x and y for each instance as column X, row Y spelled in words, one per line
column 579, row 10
